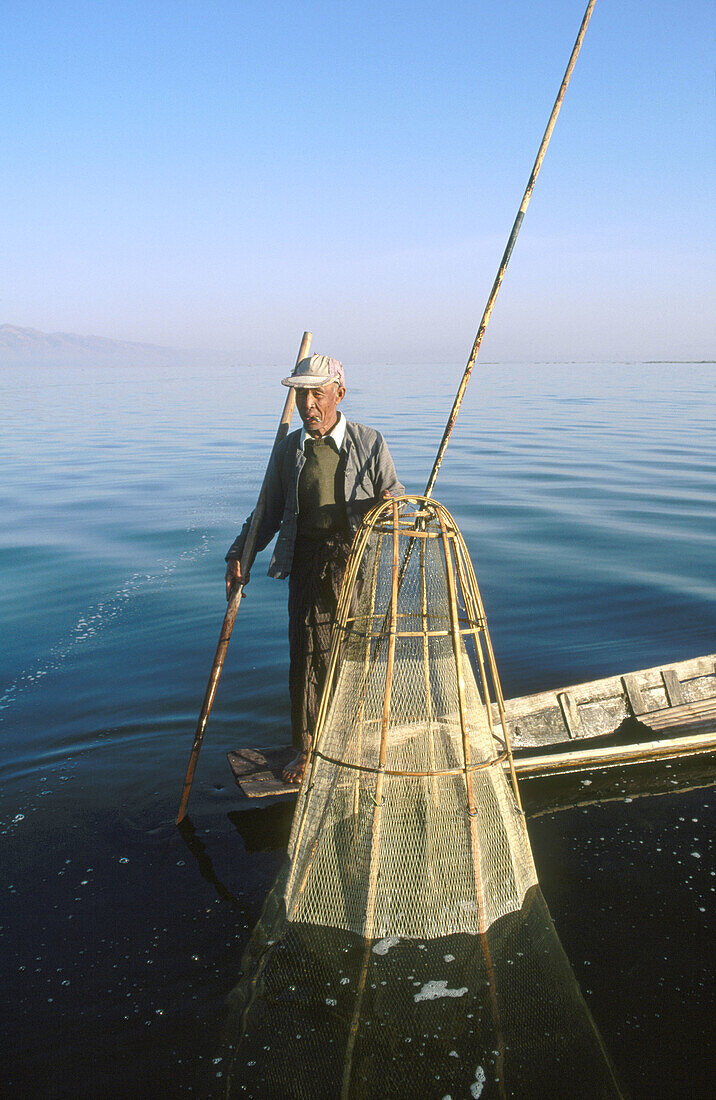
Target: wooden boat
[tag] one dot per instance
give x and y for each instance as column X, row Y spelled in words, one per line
column 655, row 714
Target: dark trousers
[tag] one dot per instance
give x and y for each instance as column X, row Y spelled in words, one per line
column 313, row 589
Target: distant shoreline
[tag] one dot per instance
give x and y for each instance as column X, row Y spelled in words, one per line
column 31, row 347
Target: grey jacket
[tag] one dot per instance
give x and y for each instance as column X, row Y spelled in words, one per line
column 368, row 471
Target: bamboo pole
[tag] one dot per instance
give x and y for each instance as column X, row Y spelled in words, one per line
column 499, row 697
column 301, row 817
column 466, row 748
column 344, row 600
column 376, row 825
column 471, row 593
column 472, row 809
column 426, row 667
column 508, row 251
column 383, row 755
column 471, row 589
column 366, row 665
column 247, row 560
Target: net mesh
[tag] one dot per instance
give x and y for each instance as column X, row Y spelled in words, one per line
column 407, row 823
column 318, row 1013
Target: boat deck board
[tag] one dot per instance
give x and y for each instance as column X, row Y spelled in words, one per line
column 258, row 772
column 686, row 716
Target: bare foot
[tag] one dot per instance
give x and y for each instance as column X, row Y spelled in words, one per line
column 293, row 772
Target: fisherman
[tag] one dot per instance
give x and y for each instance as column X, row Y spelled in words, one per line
column 321, row 481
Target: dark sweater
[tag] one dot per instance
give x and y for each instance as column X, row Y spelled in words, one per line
column 321, row 500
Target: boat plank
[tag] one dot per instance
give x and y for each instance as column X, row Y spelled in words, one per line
column 634, row 695
column 611, row 755
column 673, row 687
column 570, row 714
column 700, row 713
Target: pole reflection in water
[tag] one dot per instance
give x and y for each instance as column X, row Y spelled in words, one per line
column 320, row 1012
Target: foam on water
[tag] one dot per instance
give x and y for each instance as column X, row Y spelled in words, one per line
column 479, row 1083
column 383, row 946
column 431, row 991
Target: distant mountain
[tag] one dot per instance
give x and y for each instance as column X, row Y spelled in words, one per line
column 29, row 346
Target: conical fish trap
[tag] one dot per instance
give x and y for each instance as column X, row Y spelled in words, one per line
column 408, row 822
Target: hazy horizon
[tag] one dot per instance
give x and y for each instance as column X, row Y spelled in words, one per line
column 223, row 178
column 32, row 343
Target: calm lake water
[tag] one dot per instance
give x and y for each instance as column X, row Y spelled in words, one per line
column 586, row 495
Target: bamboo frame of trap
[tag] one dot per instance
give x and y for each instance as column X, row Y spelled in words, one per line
column 406, row 519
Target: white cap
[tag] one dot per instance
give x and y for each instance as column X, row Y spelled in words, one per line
column 315, row 372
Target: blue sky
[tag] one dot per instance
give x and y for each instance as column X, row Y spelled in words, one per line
column 227, row 174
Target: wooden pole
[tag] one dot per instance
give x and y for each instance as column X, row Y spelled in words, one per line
column 424, row 621
column 376, row 826
column 247, row 560
column 462, row 707
column 508, row 251
column 499, row 697
column 293, row 895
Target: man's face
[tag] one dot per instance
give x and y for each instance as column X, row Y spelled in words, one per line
column 318, row 409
